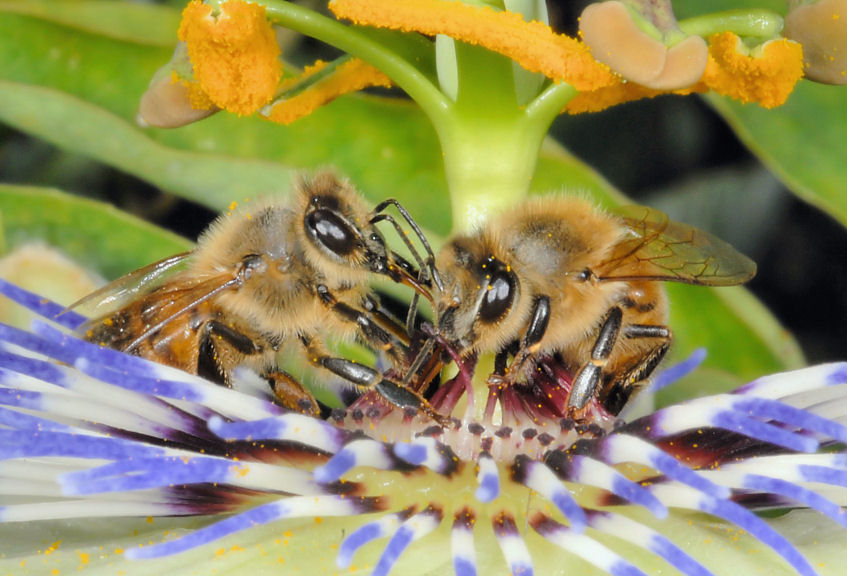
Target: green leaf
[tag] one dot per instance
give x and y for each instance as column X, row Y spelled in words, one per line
column 98, row 235
column 802, row 142
column 144, row 24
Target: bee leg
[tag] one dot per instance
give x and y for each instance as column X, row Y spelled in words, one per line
column 291, row 394
column 619, row 392
column 369, row 328
column 529, row 345
column 588, row 378
column 217, row 342
column 385, row 320
column 366, row 377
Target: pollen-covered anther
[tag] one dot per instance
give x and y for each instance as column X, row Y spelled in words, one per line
column 234, row 54
column 821, row 27
column 765, row 74
column 616, row 40
column 304, row 94
column 533, row 45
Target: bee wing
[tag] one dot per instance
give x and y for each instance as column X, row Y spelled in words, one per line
column 167, row 303
column 118, row 293
column 656, row 248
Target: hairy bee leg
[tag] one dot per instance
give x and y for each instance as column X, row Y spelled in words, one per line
column 588, row 378
column 370, row 330
column 619, row 392
column 216, row 338
column 529, row 345
column 387, row 322
column 368, row 378
column 291, row 394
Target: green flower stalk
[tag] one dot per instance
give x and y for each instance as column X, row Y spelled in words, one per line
column 491, row 81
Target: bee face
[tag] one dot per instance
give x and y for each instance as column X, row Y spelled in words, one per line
column 481, row 300
column 337, row 227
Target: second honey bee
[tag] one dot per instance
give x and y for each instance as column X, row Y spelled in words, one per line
column 559, row 278
column 274, row 275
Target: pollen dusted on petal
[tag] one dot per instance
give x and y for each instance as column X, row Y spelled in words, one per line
column 766, row 75
column 349, row 77
column 533, row 45
column 234, row 54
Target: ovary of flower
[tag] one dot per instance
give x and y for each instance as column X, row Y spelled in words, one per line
column 234, row 54
column 616, row 40
column 766, row 74
column 533, row 45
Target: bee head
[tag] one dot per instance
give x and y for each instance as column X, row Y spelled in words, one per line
column 480, row 293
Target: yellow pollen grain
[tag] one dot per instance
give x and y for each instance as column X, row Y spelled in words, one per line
column 349, row 77
column 766, row 76
column 234, row 54
column 533, row 45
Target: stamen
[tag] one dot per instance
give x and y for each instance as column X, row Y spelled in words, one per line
column 533, row 45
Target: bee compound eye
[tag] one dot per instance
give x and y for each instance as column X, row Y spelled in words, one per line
column 331, row 231
column 498, row 296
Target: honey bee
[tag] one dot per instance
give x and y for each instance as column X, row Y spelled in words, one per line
column 269, row 275
column 559, row 278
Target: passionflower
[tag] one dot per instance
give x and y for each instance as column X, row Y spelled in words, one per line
column 91, row 433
